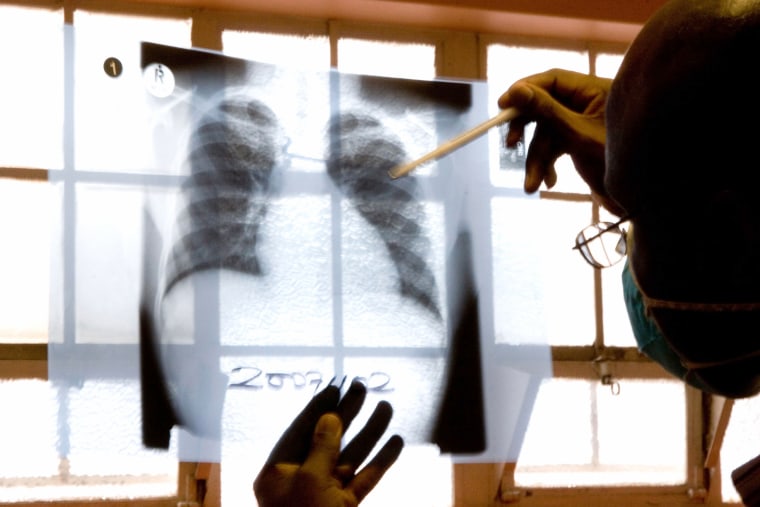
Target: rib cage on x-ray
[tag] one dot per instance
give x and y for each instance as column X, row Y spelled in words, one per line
column 262, row 256
column 232, row 154
column 361, row 151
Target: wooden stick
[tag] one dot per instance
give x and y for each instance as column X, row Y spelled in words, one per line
column 504, row 116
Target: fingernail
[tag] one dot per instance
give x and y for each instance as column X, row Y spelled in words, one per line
column 329, row 425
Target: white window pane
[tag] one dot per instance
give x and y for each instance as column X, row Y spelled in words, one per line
column 420, row 477
column 37, row 431
column 31, row 92
column 581, row 434
column 27, row 209
column 109, row 411
column 308, row 52
column 607, row 64
column 27, row 433
column 543, row 289
column 111, row 27
column 507, row 64
column 110, row 217
column 741, row 443
column 617, row 325
column 393, row 59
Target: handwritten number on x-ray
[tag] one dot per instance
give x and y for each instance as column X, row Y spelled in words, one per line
column 251, row 377
column 377, row 382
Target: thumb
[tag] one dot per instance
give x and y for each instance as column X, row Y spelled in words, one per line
column 325, row 447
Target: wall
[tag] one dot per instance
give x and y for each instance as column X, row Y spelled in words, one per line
column 607, row 20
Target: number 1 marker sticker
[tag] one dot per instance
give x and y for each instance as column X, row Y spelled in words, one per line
column 112, row 67
column 159, row 80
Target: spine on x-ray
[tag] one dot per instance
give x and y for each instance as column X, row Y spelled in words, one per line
column 361, row 151
column 232, row 154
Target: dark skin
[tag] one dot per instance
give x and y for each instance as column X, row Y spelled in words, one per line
column 659, row 170
column 647, row 145
column 568, row 109
column 307, row 467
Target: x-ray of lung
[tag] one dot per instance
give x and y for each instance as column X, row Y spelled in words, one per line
column 360, row 153
column 371, row 267
column 232, row 154
column 270, row 254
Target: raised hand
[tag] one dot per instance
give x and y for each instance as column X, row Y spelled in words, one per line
column 306, row 468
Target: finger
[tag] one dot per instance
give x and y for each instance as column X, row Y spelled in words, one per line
column 517, row 96
column 536, row 104
column 550, row 178
column 325, row 446
column 293, row 446
column 515, row 132
column 351, row 403
column 539, row 162
column 370, row 475
column 362, row 444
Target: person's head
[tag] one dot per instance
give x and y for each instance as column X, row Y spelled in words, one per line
column 683, row 161
column 682, row 105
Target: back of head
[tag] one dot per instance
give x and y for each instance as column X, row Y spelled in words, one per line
column 680, row 105
column 682, row 160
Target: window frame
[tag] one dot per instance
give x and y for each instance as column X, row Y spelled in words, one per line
column 459, row 54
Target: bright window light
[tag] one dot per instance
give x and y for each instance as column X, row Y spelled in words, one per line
column 607, row 64
column 392, row 59
column 548, row 301
column 741, row 443
column 175, row 32
column 637, row 437
column 30, row 124
column 24, row 260
column 308, row 52
column 31, row 440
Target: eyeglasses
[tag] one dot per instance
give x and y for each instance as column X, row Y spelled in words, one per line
column 603, row 244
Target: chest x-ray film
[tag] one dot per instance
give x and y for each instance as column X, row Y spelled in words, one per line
column 233, row 232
